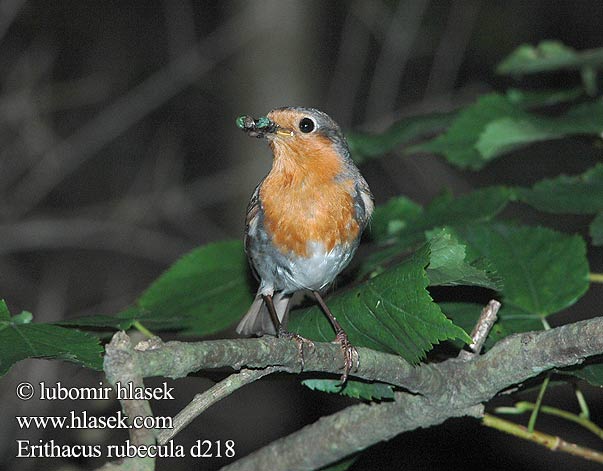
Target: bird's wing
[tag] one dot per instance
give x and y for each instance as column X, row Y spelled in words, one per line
column 253, row 209
column 365, row 202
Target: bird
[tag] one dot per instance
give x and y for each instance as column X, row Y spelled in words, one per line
column 304, row 220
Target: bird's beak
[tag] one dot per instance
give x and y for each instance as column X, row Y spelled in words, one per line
column 262, row 127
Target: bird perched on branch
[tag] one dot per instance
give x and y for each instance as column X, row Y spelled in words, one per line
column 304, row 220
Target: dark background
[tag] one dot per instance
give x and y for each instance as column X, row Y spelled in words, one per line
column 118, row 153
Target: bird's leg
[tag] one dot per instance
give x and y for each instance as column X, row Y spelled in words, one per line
column 282, row 333
column 350, row 354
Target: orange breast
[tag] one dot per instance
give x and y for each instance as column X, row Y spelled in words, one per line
column 303, row 202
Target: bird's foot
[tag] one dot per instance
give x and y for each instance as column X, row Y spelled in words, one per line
column 301, row 341
column 350, row 355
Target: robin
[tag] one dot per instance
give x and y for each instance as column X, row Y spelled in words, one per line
column 304, row 219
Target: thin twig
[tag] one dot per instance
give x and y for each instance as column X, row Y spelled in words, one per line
column 131, row 108
column 92, row 233
column 449, row 55
column 522, row 407
column 552, row 442
column 534, row 414
column 482, row 329
column 584, row 411
column 595, row 277
column 9, row 9
column 217, row 392
column 402, row 32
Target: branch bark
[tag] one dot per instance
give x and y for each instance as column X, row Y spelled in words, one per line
column 453, row 388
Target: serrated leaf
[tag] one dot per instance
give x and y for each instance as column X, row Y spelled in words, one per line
column 404, row 220
column 403, row 223
column 458, row 143
column 450, row 266
column 543, row 271
column 365, row 146
column 20, row 339
column 578, row 194
column 495, row 125
column 549, row 56
column 355, row 389
column 126, row 319
column 392, row 312
column 206, row 290
column 511, row 320
column 505, row 134
column 595, row 229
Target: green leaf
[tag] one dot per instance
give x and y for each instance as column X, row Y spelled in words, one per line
column 540, row 98
column 503, row 135
column 592, row 373
column 403, row 220
column 124, row 320
column 202, row 293
column 392, row 312
column 543, row 271
column 206, row 290
column 511, row 320
column 495, row 125
column 20, row 339
column 450, row 266
column 579, row 194
column 4, row 314
column 507, row 134
column 549, row 56
column 366, row 146
column 355, row 389
column 458, row 143
column 341, row 465
column 596, row 229
column 403, row 223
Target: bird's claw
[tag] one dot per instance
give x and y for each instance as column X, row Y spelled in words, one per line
column 301, row 341
column 350, row 355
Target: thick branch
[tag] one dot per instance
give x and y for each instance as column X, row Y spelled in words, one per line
column 468, row 384
column 348, row 431
column 449, row 389
column 121, row 364
column 177, row 359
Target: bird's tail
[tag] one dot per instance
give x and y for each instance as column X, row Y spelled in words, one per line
column 257, row 321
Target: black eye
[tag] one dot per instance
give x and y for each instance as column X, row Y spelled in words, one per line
column 306, row 125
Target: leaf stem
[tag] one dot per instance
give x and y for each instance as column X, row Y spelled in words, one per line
column 523, row 406
column 595, row 277
column 534, row 414
column 584, row 411
column 142, row 329
column 551, row 442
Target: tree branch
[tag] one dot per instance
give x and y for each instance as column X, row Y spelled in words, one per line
column 468, row 384
column 121, row 364
column 178, row 359
column 214, row 394
column 452, row 388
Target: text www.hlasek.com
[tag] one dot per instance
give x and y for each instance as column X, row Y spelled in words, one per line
column 85, row 421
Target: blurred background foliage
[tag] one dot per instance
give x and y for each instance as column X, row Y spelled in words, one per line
column 119, row 153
